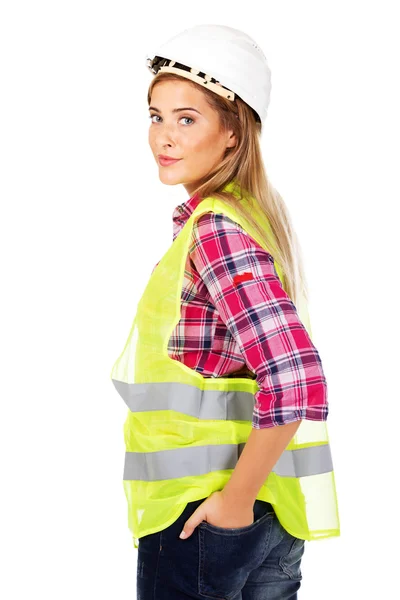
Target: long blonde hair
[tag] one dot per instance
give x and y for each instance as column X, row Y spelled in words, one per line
column 244, row 164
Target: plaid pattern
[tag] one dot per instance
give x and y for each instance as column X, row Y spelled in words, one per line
column 237, row 320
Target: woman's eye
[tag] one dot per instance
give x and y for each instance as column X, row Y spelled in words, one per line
column 187, row 118
column 190, row 119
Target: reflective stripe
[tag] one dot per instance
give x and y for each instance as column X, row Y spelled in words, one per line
column 198, row 460
column 187, row 399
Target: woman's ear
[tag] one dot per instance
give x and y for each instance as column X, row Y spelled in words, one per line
column 231, row 139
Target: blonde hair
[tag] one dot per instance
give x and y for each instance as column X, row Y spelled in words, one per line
column 244, row 164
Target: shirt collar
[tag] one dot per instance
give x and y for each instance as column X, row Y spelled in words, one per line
column 183, row 212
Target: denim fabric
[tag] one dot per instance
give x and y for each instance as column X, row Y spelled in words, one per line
column 258, row 562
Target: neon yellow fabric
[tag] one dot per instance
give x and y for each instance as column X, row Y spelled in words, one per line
column 306, row 506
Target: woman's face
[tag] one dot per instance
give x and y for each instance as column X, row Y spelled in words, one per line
column 184, row 126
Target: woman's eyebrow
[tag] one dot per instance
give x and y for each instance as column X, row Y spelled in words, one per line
column 175, row 109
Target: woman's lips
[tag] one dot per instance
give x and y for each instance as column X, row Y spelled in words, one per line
column 164, row 162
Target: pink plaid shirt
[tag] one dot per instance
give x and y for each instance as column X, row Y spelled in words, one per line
column 237, row 320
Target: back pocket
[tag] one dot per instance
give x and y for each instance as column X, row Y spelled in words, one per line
column 228, row 555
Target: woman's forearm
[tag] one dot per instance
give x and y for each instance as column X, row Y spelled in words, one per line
column 260, row 453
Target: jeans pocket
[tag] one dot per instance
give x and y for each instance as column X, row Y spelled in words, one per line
column 290, row 563
column 228, row 555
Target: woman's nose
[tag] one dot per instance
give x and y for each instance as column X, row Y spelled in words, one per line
column 165, row 134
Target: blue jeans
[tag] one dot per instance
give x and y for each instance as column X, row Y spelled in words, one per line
column 260, row 561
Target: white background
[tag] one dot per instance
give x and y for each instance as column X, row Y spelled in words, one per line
column 80, row 195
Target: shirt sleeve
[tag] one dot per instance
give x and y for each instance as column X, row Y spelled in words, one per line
column 245, row 288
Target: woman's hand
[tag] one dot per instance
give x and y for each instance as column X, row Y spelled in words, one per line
column 217, row 510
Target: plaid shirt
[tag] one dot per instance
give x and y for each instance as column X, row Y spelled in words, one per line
column 237, row 320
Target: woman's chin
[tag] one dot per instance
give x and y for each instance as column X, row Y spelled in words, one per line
column 169, row 178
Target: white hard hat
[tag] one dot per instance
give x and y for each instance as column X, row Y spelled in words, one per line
column 225, row 60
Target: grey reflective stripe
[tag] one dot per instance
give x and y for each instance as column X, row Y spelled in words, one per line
column 304, row 461
column 199, row 460
column 187, row 399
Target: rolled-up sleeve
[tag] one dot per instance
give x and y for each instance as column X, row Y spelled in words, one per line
column 244, row 287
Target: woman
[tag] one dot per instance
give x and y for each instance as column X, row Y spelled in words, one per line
column 222, row 491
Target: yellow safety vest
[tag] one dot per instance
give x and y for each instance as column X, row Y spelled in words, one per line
column 184, row 432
